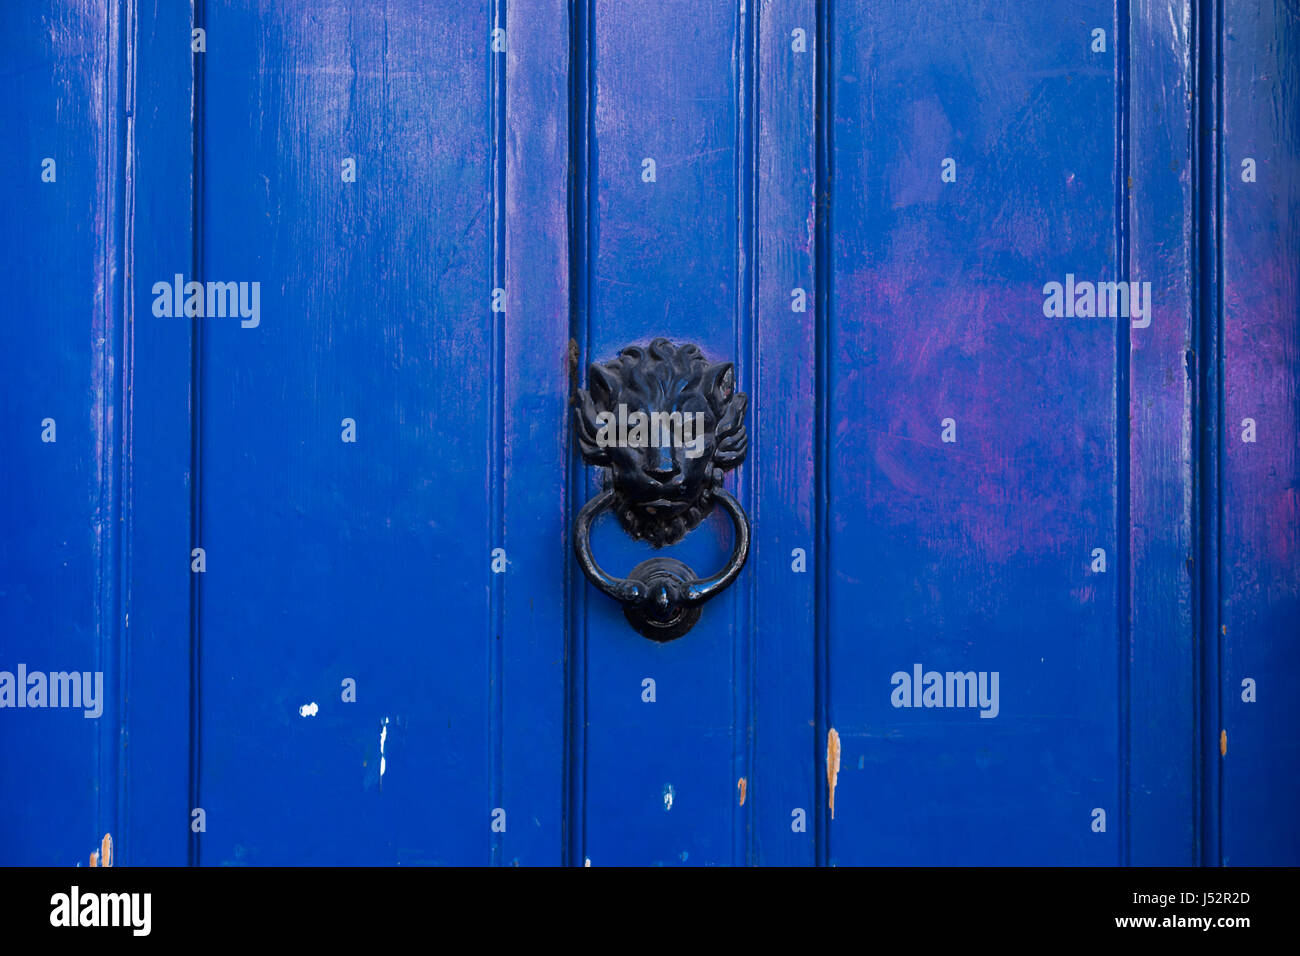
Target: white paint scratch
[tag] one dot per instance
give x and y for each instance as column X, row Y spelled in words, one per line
column 383, row 736
column 669, row 793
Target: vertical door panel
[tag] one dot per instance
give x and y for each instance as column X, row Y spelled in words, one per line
column 1160, row 227
column 331, row 560
column 1260, row 611
column 661, row 785
column 155, row 815
column 535, row 385
column 781, row 474
column 975, row 555
column 60, row 353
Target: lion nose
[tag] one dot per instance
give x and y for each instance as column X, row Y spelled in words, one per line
column 660, row 464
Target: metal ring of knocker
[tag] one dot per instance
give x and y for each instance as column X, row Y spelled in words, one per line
column 661, row 597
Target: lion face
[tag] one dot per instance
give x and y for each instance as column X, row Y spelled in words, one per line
column 667, row 424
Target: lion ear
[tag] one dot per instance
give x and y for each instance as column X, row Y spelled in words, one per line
column 603, row 383
column 602, row 388
column 719, row 383
column 733, row 439
column 586, row 425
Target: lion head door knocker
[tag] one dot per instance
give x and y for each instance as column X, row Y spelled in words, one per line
column 665, row 423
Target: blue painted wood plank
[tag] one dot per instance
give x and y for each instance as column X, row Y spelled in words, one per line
column 330, row 560
column 536, row 382
column 155, row 812
column 581, row 160
column 1260, row 585
column 1161, row 217
column 972, row 555
column 60, row 354
column 780, row 471
column 1208, row 422
column 660, row 777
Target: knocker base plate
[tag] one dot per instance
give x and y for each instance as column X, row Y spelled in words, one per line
column 663, row 618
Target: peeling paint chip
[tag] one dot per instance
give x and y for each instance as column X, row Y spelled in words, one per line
column 104, row 856
column 740, row 785
column 1223, row 743
column 832, row 766
column 309, row 710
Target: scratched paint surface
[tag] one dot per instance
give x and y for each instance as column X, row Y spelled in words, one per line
column 56, row 524
column 677, row 107
column 772, row 735
column 1260, row 612
column 1161, row 672
column 973, row 555
column 375, row 308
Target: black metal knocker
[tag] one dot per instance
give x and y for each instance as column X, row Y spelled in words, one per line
column 666, row 424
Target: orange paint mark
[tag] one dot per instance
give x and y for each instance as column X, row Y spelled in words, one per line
column 1223, row 743
column 104, row 855
column 832, row 766
column 740, row 785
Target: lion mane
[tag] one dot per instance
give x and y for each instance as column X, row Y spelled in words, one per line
column 662, row 377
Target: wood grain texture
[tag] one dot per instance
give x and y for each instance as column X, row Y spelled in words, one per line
column 778, row 165
column 536, row 446
column 1260, row 586
column 329, row 560
column 1161, row 659
column 663, row 260
column 153, row 824
column 61, row 356
column 781, row 473
column 972, row 555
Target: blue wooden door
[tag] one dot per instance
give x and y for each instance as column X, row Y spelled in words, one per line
column 1013, row 296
